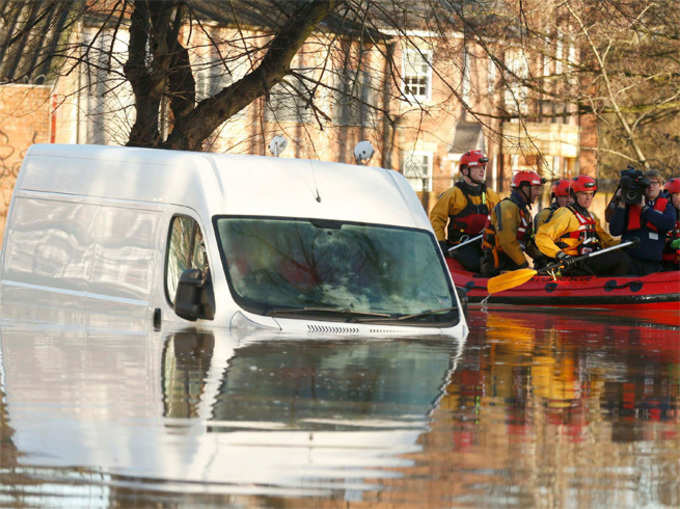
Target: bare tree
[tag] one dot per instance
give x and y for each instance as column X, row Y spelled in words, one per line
column 614, row 60
column 536, row 61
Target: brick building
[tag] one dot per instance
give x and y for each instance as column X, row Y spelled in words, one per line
column 411, row 108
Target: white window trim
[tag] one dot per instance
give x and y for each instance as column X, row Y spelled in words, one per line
column 491, row 77
column 466, row 85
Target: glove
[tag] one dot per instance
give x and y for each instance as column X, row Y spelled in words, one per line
column 675, row 244
column 565, row 259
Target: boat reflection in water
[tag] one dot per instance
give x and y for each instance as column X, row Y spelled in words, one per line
column 557, row 410
column 208, row 413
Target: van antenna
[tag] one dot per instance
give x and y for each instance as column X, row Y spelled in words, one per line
column 363, row 151
column 277, row 145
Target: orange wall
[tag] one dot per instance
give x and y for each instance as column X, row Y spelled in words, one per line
column 24, row 120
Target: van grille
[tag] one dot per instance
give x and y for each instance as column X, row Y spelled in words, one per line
column 332, row 329
column 384, row 331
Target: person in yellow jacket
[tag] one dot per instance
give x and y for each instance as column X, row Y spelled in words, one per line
column 462, row 211
column 574, row 231
column 560, row 196
column 508, row 232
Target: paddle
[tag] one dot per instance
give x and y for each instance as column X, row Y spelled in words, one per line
column 520, row 276
column 468, row 241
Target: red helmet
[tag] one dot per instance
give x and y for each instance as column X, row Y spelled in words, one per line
column 530, row 178
column 584, row 183
column 561, row 188
column 473, row 158
column 673, row 185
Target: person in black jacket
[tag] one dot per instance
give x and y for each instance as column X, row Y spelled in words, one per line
column 649, row 220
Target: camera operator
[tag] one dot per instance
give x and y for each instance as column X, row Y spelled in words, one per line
column 639, row 210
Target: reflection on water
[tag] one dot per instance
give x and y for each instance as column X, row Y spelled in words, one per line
column 208, row 413
column 546, row 410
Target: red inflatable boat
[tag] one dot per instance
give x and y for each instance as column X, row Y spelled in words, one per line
column 655, row 295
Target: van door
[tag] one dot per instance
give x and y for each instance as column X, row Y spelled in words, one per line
column 123, row 268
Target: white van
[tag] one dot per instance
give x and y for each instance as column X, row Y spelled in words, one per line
column 130, row 238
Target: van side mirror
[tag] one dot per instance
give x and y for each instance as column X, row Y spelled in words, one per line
column 195, row 297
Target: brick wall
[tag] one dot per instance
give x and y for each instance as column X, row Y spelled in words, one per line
column 24, row 120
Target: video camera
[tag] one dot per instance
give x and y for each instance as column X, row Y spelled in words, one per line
column 633, row 185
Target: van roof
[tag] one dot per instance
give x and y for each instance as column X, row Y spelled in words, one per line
column 229, row 184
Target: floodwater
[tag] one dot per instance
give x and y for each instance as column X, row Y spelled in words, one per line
column 532, row 410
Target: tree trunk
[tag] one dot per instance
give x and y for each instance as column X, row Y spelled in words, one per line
column 192, row 129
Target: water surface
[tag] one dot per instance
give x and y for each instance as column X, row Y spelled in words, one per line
column 533, row 410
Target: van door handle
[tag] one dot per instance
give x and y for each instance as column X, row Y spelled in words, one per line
column 157, row 319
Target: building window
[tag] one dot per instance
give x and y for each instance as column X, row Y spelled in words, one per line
column 288, row 101
column 416, row 166
column 186, row 250
column 516, row 93
column 559, row 55
column 546, row 66
column 353, row 99
column 417, row 73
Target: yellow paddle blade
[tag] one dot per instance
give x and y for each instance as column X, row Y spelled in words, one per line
column 509, row 280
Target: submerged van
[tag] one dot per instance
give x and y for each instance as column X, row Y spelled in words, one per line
column 130, row 238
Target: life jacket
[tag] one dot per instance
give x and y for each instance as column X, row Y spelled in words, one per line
column 471, row 220
column 669, row 254
column 634, row 212
column 584, row 239
column 524, row 230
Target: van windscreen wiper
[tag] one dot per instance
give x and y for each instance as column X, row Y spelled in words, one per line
column 349, row 313
column 422, row 314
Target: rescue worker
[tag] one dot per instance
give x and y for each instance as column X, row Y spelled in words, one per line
column 559, row 197
column 671, row 253
column 509, row 230
column 465, row 207
column 574, row 231
column 649, row 221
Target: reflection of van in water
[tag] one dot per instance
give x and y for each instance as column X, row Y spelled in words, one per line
column 123, row 237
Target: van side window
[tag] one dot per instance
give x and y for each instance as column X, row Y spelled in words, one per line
column 186, row 250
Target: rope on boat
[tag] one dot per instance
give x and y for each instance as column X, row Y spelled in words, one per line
column 483, row 303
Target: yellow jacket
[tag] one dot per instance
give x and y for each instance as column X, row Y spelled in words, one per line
column 543, row 215
column 451, row 203
column 510, row 227
column 565, row 221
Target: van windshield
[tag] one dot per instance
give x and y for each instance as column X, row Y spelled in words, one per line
column 335, row 270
